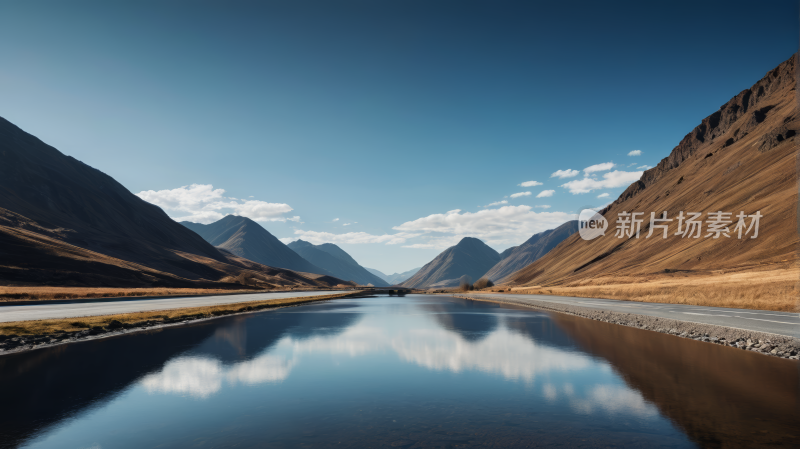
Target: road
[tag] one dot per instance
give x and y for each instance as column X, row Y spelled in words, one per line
column 781, row 323
column 109, row 307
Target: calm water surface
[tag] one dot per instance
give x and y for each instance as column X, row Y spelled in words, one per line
column 411, row 372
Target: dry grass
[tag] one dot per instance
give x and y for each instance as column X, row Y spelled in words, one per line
column 52, row 326
column 766, row 290
column 54, row 293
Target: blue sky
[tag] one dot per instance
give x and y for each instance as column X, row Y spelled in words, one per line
column 382, row 126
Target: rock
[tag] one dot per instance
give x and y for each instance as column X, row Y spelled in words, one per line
column 115, row 324
column 774, row 351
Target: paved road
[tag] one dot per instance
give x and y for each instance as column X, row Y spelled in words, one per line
column 781, row 323
column 99, row 307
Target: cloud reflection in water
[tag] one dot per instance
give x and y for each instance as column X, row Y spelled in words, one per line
column 503, row 352
column 202, row 376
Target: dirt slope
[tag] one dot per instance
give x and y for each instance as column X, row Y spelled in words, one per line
column 741, row 158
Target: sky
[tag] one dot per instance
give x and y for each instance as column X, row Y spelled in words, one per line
column 391, row 128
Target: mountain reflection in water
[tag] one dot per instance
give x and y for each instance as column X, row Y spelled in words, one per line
column 418, row 371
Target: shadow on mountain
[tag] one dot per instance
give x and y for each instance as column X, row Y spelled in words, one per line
column 541, row 329
column 53, row 384
column 471, row 320
column 719, row 396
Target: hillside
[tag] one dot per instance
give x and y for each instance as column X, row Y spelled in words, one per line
column 246, row 238
column 469, row 257
column 63, row 222
column 740, row 158
column 507, row 252
column 337, row 262
column 519, row 257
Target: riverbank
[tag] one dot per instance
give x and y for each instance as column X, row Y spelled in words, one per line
column 761, row 342
column 774, row 288
column 35, row 294
column 27, row 335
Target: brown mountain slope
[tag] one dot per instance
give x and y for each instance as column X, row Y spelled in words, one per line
column 741, row 158
column 65, row 223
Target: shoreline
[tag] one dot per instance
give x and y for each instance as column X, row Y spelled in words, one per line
column 764, row 343
column 15, row 344
column 24, row 302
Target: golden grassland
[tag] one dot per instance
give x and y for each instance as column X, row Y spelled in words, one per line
column 55, row 293
column 52, row 326
column 776, row 290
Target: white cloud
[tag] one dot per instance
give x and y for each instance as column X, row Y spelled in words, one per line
column 603, row 195
column 543, row 206
column 530, row 184
column 635, row 153
column 613, row 399
column 496, row 203
column 505, row 225
column 438, row 242
column 517, row 195
column 201, row 376
column 565, row 174
column 335, row 220
column 610, row 180
column 598, row 167
column 352, row 237
column 643, row 167
column 545, row 193
column 202, row 203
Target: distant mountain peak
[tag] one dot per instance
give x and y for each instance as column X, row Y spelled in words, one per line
column 336, row 261
column 532, row 250
column 470, row 241
column 471, row 257
column 246, row 238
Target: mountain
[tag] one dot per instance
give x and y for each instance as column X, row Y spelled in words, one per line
column 469, row 257
column 507, row 252
column 378, row 273
column 337, row 262
column 246, row 238
column 741, row 158
column 63, row 222
column 533, row 249
column 396, row 278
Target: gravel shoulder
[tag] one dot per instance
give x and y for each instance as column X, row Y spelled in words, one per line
column 761, row 342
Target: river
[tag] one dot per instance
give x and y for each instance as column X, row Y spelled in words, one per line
column 404, row 372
